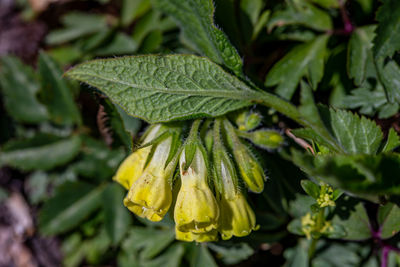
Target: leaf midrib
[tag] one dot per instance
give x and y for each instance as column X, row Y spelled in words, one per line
column 237, row 95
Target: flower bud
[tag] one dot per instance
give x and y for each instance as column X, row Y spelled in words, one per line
column 250, row 169
column 247, row 121
column 150, row 196
column 266, row 139
column 132, row 167
column 237, row 217
column 196, row 209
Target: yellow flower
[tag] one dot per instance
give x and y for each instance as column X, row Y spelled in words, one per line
column 203, row 237
column 196, row 209
column 132, row 167
column 150, row 196
column 237, row 217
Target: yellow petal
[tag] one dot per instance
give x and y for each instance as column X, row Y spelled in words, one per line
column 189, row 236
column 132, row 167
column 150, row 196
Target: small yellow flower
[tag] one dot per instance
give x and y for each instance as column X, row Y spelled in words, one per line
column 196, row 209
column 190, row 237
column 237, row 217
column 325, row 198
column 150, row 196
column 307, row 225
column 132, row 167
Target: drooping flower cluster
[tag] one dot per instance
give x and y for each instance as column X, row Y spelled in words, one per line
column 210, row 198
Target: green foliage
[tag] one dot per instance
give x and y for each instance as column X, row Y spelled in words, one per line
column 20, row 86
column 196, row 20
column 329, row 134
column 40, row 152
column 163, row 88
column 304, row 60
column 71, row 205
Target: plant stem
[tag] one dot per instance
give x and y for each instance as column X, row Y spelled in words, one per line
column 280, row 105
column 320, row 223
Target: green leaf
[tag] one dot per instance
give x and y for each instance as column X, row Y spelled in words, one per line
column 386, row 43
column 200, row 256
column 117, row 217
column 171, row 258
column 303, row 60
column 195, row 17
column 150, row 241
column 131, row 9
column 37, row 186
column 119, row 44
column 310, row 188
column 364, row 175
column 309, row 111
column 97, row 161
column 388, row 219
column 368, row 101
column 232, row 253
column 387, row 39
column 389, row 75
column 355, row 134
column 164, row 88
column 19, row 86
column 297, row 256
column 252, row 8
column 77, row 25
column 72, row 203
column 392, row 142
column 40, row 152
column 301, row 13
column 56, row 94
column 350, row 214
column 359, row 52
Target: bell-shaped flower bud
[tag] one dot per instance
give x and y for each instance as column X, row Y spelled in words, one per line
column 132, row 167
column 196, row 210
column 237, row 217
column 150, row 196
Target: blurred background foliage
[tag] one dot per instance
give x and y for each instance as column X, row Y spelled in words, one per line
column 61, row 142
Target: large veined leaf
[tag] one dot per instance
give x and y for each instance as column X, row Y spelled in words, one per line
column 196, row 19
column 355, row 134
column 163, row 88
